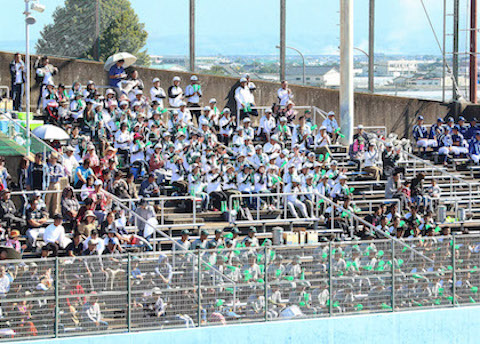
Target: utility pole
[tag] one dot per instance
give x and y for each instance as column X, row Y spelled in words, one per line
column 456, row 5
column 96, row 48
column 192, row 35
column 371, row 47
column 346, row 70
column 283, row 46
column 473, row 51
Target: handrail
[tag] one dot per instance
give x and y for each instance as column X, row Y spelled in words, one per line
column 32, row 135
column 157, row 230
column 371, row 227
column 283, row 195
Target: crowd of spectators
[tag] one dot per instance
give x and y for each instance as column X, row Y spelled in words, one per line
column 138, row 143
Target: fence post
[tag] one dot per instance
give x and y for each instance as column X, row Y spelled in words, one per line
column 454, row 274
column 129, row 293
column 199, row 275
column 330, row 286
column 265, row 281
column 393, row 274
column 56, row 298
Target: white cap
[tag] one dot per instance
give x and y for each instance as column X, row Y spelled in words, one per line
column 138, row 92
column 109, row 91
column 123, row 102
column 331, row 113
column 176, row 78
column 90, row 82
column 323, row 127
column 213, row 100
column 204, row 121
column 258, row 147
column 283, row 119
column 136, row 104
column 243, row 80
column 360, row 126
column 183, row 104
column 207, row 108
column 290, row 102
column 342, row 176
column 334, row 162
column 246, row 76
column 268, row 110
column 98, row 182
column 194, row 78
column 155, row 80
column 227, row 110
column 246, row 119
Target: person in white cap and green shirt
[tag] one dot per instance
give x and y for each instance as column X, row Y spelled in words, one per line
column 175, row 93
column 193, row 93
column 157, row 93
column 244, row 99
column 331, row 125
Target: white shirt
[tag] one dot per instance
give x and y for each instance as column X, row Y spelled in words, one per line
column 242, row 96
column 284, row 96
column 177, row 92
column 266, row 125
column 19, row 72
column 157, row 94
column 228, row 130
column 122, row 140
column 190, row 94
column 70, row 164
column 185, row 116
column 370, row 158
column 322, row 141
column 54, row 234
column 331, row 125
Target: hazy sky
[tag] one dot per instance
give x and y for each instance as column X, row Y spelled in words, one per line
column 252, row 26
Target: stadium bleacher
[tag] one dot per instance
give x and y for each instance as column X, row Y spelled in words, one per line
column 158, row 238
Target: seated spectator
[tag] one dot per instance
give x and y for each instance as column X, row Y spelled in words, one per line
column 88, row 224
column 36, row 220
column 54, row 237
column 75, row 247
column 92, row 319
column 9, row 216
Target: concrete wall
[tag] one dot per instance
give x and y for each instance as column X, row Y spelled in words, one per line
column 396, row 113
column 459, row 325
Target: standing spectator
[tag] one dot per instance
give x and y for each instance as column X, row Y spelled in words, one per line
column 116, row 74
column 55, row 173
column 17, row 73
column 193, row 92
column 389, row 159
column 244, row 99
column 69, row 162
column 70, row 208
column 284, row 94
column 157, row 93
column 44, row 72
column 4, row 175
column 37, row 174
column 175, row 93
column 370, row 161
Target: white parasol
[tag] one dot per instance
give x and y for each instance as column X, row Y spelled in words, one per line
column 129, row 60
column 50, row 132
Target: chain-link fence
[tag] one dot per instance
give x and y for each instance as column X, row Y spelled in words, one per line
column 125, row 292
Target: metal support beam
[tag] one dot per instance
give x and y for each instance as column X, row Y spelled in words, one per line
column 96, row 42
column 346, row 69
column 444, row 58
column 27, row 73
column 283, row 46
column 456, row 9
column 473, row 51
column 371, row 47
column 192, row 35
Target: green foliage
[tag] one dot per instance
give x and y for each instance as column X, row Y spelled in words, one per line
column 72, row 32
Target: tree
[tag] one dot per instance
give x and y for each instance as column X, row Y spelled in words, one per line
column 72, row 32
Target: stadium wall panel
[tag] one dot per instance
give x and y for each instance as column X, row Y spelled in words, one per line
column 459, row 325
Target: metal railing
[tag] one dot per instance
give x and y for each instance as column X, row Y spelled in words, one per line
column 100, row 294
column 18, row 133
column 279, row 202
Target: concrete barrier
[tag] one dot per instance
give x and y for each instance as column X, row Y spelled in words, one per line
column 395, row 113
column 454, row 325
